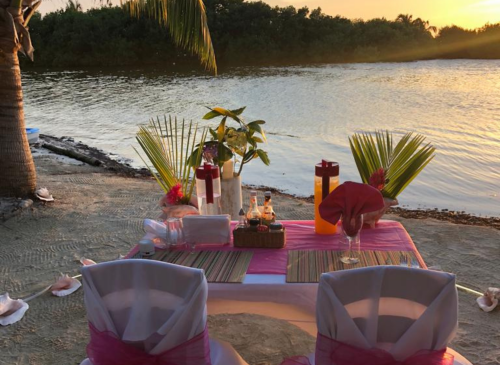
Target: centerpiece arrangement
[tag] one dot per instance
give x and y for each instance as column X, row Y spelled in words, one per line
column 387, row 166
column 171, row 148
column 230, row 148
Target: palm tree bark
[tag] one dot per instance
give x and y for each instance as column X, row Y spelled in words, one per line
column 17, row 170
column 187, row 24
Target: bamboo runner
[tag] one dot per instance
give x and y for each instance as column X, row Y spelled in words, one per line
column 219, row 266
column 307, row 266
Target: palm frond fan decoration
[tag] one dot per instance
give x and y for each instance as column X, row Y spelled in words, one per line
column 387, row 166
column 168, row 145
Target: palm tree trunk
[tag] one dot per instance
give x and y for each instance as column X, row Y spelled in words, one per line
column 17, row 170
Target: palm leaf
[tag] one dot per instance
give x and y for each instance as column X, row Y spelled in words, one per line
column 186, row 21
column 168, row 147
column 401, row 163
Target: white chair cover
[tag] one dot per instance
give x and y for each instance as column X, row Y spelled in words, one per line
column 393, row 308
column 151, row 304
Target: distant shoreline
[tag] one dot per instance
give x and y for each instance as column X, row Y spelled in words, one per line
column 251, row 33
column 196, row 70
column 68, row 147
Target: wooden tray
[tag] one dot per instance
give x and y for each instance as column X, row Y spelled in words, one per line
column 252, row 239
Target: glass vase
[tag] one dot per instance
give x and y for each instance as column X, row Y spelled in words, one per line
column 372, row 218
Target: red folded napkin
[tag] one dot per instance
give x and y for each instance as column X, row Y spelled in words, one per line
column 350, row 200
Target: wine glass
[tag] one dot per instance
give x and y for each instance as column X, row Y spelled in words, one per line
column 351, row 227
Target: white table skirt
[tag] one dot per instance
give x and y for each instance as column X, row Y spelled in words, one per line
column 268, row 295
column 272, row 296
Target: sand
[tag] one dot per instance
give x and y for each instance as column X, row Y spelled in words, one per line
column 98, row 214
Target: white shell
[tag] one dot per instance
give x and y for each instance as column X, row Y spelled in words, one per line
column 65, row 286
column 87, row 262
column 11, row 310
column 489, row 300
column 43, row 194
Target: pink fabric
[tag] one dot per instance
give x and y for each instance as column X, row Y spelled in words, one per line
column 296, row 360
column 332, row 352
column 106, row 349
column 350, row 200
column 300, row 235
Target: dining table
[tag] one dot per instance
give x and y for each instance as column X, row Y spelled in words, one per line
column 265, row 290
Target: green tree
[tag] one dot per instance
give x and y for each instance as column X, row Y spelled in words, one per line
column 186, row 21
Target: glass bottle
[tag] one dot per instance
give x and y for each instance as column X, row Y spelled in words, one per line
column 253, row 209
column 242, row 220
column 268, row 213
column 325, row 181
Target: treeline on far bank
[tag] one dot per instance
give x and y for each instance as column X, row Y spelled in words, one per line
column 250, row 33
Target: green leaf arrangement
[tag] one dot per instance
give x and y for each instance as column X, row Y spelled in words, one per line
column 401, row 162
column 168, row 145
column 186, row 21
column 241, row 141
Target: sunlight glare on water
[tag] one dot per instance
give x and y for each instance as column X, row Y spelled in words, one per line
column 310, row 112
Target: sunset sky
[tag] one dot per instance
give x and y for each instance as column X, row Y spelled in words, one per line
column 465, row 13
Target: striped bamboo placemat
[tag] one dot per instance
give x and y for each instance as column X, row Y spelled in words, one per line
column 307, row 266
column 219, row 266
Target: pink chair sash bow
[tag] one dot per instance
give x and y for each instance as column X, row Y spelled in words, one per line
column 106, row 349
column 332, row 352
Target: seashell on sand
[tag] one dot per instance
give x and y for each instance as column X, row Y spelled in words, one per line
column 65, row 286
column 87, row 262
column 11, row 310
column 44, row 195
column 489, row 300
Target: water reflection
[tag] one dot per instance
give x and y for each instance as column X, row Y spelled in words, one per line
column 310, row 112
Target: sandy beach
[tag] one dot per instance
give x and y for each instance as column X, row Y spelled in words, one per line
column 98, row 214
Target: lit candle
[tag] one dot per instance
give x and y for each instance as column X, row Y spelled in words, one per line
column 227, row 170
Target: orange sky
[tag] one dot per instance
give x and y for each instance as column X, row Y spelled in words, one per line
column 465, row 13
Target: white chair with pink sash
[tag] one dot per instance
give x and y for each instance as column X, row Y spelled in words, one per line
column 385, row 315
column 145, row 312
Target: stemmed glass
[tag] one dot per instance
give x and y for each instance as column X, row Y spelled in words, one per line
column 351, row 227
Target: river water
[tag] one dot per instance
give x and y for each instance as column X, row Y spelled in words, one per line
column 310, row 112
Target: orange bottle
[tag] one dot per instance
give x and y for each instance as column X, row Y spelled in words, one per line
column 326, row 180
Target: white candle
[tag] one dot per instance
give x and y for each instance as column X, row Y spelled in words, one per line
column 227, row 170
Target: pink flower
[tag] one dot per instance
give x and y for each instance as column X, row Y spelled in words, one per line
column 174, row 195
column 377, row 179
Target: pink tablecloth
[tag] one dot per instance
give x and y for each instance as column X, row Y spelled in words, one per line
column 300, row 235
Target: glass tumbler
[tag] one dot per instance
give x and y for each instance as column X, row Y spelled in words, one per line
column 175, row 236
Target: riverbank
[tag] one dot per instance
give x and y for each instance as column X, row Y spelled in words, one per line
column 68, row 147
column 287, row 35
column 41, row 242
